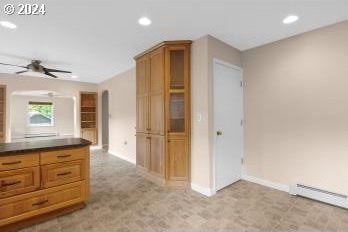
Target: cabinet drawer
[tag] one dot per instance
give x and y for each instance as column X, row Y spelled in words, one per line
column 28, row 205
column 18, row 161
column 63, row 173
column 51, row 157
column 19, row 181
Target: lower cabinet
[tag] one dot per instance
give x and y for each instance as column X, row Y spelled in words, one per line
column 150, row 156
column 36, row 203
column 156, row 163
column 142, row 146
column 19, row 181
column 90, row 135
column 171, row 169
column 178, row 159
column 63, row 173
column 32, row 185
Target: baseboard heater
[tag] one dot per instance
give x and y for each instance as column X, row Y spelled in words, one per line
column 40, row 135
column 320, row 195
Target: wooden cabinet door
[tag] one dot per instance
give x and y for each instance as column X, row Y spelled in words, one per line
column 63, row 173
column 142, row 89
column 90, row 135
column 157, row 92
column 19, row 181
column 19, row 161
column 156, row 165
column 142, row 75
column 142, row 150
column 14, row 209
column 142, row 114
column 178, row 159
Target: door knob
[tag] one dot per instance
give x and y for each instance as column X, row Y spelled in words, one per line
column 218, row 132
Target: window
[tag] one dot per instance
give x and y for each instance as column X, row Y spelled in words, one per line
column 41, row 114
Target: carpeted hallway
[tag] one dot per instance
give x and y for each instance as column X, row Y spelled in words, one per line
column 123, row 201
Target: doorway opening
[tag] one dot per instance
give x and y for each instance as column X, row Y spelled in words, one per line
column 228, row 124
column 105, row 120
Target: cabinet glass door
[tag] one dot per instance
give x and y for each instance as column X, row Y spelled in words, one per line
column 177, row 69
column 177, row 112
column 177, row 91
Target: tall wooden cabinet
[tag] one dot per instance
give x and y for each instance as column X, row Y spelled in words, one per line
column 88, row 115
column 163, row 113
column 2, row 113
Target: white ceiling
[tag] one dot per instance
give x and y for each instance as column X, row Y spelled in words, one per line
column 98, row 39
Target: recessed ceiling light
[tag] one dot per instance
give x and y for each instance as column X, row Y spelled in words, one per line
column 290, row 19
column 8, row 24
column 144, row 21
column 74, row 76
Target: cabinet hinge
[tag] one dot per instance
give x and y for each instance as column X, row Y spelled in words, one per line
column 241, row 83
column 242, row 160
column 241, row 122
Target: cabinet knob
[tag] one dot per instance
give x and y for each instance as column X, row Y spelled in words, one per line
column 218, row 132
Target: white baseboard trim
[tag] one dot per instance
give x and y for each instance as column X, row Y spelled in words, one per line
column 132, row 161
column 202, row 190
column 95, row 148
column 267, row 183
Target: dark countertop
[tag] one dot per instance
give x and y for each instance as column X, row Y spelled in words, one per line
column 41, row 145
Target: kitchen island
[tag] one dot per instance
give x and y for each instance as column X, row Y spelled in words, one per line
column 40, row 180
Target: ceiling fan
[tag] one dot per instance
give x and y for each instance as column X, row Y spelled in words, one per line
column 36, row 66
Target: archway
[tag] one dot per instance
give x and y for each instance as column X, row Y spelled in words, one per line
column 105, row 120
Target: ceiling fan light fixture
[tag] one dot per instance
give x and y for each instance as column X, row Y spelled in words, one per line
column 74, row 76
column 8, row 25
column 36, row 67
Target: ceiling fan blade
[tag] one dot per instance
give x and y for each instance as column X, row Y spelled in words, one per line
column 50, row 74
column 56, row 70
column 21, row 72
column 14, row 65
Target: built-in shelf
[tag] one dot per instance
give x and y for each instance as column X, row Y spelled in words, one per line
column 177, row 91
column 88, row 113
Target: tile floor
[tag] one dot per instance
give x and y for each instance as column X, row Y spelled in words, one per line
column 123, row 201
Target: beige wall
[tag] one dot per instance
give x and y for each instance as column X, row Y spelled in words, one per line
column 63, row 116
column 71, row 88
column 203, row 51
column 296, row 108
column 122, row 110
column 200, row 160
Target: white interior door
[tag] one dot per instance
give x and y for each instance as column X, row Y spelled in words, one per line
column 228, row 129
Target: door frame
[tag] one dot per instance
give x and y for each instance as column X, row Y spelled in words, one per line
column 105, row 118
column 221, row 62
